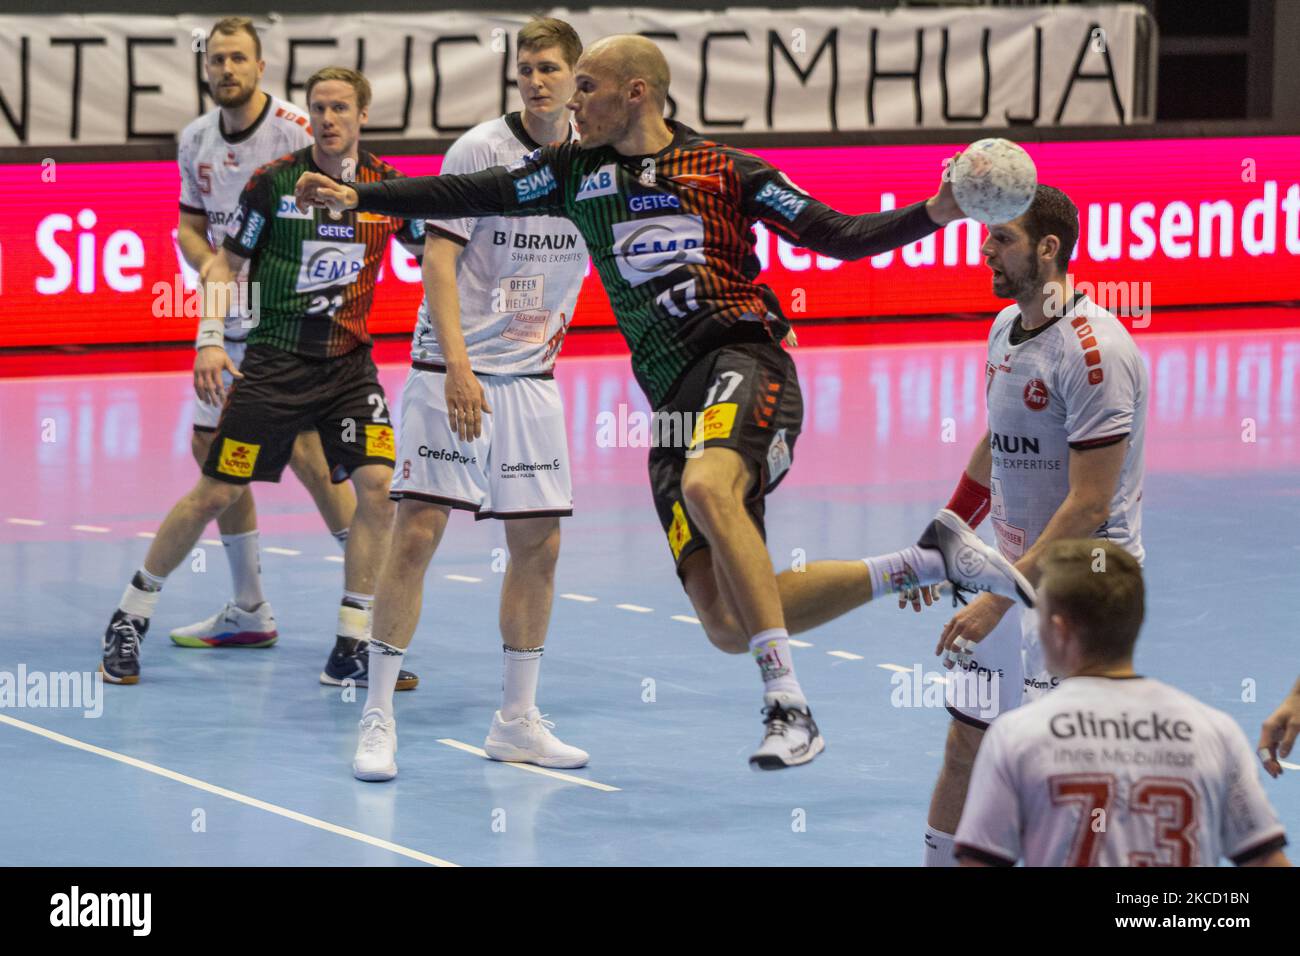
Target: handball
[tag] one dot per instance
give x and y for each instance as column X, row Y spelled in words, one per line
column 993, row 181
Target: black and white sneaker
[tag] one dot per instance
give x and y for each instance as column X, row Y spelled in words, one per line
column 970, row 564
column 353, row 664
column 121, row 662
column 791, row 736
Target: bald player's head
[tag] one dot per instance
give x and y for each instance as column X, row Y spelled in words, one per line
column 626, row 57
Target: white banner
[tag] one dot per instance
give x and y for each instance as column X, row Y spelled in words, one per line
column 70, row 79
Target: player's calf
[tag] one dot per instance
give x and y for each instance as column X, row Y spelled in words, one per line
column 950, row 789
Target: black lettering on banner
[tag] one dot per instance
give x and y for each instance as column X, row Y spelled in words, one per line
column 19, row 126
column 914, row 74
column 985, row 81
column 1038, row 84
column 1108, row 75
column 132, row 88
column 371, row 128
column 290, row 84
column 832, row 41
column 437, row 80
column 506, row 81
column 76, row 43
column 201, row 81
column 709, row 37
column 671, row 111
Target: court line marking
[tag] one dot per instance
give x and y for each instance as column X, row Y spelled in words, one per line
column 215, row 542
column 846, row 655
column 228, row 794
column 289, row 551
column 544, row 771
column 794, row 643
column 338, row 558
column 92, row 528
column 146, row 534
column 585, row 598
column 32, row 522
column 686, row 619
column 634, row 607
column 896, row 667
column 463, row 577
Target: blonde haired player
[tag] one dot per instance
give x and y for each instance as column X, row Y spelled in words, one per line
column 217, row 153
column 1111, row 768
column 482, row 422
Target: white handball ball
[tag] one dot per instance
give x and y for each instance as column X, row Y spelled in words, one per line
column 993, row 181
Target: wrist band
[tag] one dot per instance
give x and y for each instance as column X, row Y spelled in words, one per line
column 211, row 332
column 970, row 500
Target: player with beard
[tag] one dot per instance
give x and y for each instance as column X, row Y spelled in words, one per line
column 667, row 216
column 216, row 154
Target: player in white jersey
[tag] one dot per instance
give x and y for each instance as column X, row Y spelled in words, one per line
column 1111, row 768
column 482, row 424
column 217, row 153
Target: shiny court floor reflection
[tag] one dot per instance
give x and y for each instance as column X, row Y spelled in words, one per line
column 241, row 757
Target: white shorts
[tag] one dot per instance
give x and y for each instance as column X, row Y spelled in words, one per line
column 1007, row 671
column 205, row 415
column 517, row 468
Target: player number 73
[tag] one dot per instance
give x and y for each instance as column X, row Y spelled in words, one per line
column 1170, row 800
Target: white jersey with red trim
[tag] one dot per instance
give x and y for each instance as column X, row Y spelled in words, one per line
column 1075, row 383
column 517, row 277
column 1116, row 772
column 215, row 167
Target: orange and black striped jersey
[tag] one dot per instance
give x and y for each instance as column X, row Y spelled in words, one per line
column 671, row 235
column 314, row 276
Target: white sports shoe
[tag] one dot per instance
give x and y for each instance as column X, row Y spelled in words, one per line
column 376, row 747
column 791, row 736
column 970, row 564
column 528, row 739
column 232, row 626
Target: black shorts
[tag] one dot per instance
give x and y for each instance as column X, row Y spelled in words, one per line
column 744, row 396
column 282, row 394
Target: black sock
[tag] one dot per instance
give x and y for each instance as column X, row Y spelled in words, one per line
column 347, row 645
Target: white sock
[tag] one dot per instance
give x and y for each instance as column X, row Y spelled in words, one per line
column 141, row 595
column 771, row 649
column 939, row 848
column 245, row 568
column 385, row 664
column 341, row 536
column 354, row 615
column 889, row 571
column 519, row 681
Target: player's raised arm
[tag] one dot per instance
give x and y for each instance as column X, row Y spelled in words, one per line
column 531, row 187
column 770, row 196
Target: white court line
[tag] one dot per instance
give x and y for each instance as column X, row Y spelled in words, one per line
column 228, row 794
column 146, row 534
column 463, row 577
column 215, row 542
column 93, row 528
column 634, row 607
column 794, row 643
column 27, row 521
column 334, row 557
column 938, row 679
column 686, row 619
column 846, row 655
column 896, row 667
column 289, row 551
column 1290, row 766
column 568, row 778
column 584, row 598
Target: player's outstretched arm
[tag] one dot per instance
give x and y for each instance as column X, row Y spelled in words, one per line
column 771, row 197
column 1278, row 735
column 220, row 287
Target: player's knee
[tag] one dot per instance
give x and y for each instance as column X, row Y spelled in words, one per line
column 372, row 483
column 707, row 495
column 212, row 497
column 415, row 537
column 535, row 540
column 959, row 750
column 307, row 469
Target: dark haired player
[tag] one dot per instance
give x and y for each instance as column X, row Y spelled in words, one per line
column 307, row 365
column 667, row 217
